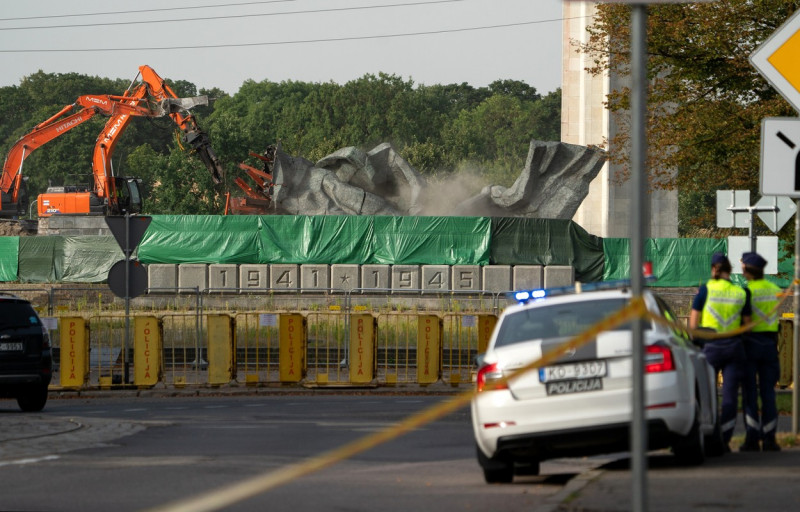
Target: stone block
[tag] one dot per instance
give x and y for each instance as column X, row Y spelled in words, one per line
column 192, row 275
column 253, row 278
column 497, row 278
column 284, row 276
column 162, row 278
column 466, row 278
column 345, row 277
column 375, row 277
column 436, row 279
column 315, row 277
column 528, row 277
column 223, row 277
column 558, row 275
column 405, row 278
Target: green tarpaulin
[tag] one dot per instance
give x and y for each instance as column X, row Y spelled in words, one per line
column 302, row 239
column 69, row 259
column 9, row 258
column 683, row 262
column 200, row 239
column 519, row 241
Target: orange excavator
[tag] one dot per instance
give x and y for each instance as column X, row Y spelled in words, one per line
column 12, row 183
column 114, row 195
column 109, row 195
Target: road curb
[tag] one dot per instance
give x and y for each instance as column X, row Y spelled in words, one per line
column 553, row 504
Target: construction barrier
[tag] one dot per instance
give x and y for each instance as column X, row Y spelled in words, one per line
column 327, row 349
column 363, row 342
column 74, row 356
column 256, row 338
column 147, row 353
column 293, row 336
column 184, row 351
column 430, row 330
column 317, row 348
column 221, row 349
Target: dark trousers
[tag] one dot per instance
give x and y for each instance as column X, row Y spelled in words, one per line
column 727, row 356
column 762, row 371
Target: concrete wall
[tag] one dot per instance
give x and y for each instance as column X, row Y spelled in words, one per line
column 393, row 279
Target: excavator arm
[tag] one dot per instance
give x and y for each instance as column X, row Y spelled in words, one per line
column 196, row 138
column 55, row 126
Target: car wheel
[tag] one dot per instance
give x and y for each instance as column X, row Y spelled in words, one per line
column 715, row 446
column 496, row 471
column 690, row 449
column 33, row 398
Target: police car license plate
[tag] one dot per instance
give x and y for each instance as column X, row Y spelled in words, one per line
column 573, row 371
column 10, row 347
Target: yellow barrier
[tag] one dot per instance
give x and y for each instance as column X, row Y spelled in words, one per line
column 429, row 349
column 221, row 350
column 293, row 337
column 363, row 340
column 147, row 338
column 74, row 360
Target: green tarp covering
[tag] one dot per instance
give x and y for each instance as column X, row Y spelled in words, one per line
column 69, row 259
column 201, row 239
column 682, row 262
column 519, row 241
column 9, row 251
column 317, row 239
column 432, row 240
column 676, row 261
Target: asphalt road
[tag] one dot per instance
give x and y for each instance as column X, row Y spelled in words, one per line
column 134, row 453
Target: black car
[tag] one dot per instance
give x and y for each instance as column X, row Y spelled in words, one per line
column 26, row 364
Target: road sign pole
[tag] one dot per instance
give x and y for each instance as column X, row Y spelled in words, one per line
column 796, row 330
column 638, row 192
column 128, row 251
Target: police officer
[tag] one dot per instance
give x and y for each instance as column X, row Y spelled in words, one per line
column 762, row 369
column 723, row 306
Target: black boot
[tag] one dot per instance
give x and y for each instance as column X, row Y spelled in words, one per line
column 750, row 445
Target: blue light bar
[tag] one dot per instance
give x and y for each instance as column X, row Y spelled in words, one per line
column 524, row 296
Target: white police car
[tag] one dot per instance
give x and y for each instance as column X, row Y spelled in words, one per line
column 581, row 403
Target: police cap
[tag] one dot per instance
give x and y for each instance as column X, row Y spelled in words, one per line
column 753, row 259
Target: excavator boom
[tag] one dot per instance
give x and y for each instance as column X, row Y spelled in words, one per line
column 196, row 138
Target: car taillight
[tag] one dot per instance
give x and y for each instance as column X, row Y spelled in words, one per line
column 490, row 377
column 658, row 358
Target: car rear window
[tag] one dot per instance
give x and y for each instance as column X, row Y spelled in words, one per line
column 559, row 320
column 17, row 314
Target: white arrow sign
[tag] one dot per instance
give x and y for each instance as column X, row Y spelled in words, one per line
column 784, row 208
column 780, row 156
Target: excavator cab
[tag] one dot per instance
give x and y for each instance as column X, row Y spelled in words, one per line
column 129, row 196
column 80, row 200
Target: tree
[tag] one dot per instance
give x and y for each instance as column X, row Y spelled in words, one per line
column 706, row 101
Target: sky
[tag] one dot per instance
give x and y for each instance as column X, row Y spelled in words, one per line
column 223, row 43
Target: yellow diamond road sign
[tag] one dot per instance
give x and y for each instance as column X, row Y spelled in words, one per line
column 777, row 60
